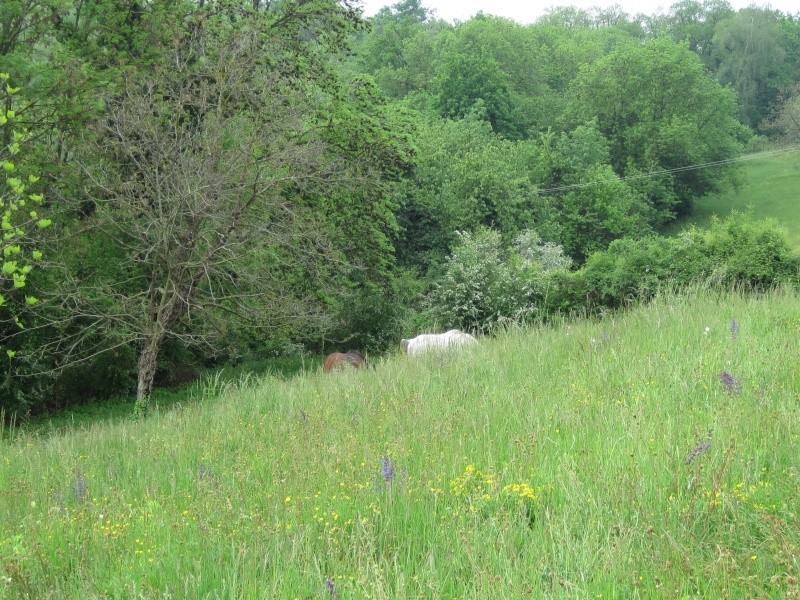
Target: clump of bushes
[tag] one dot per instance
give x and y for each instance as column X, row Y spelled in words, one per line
column 484, row 285
column 734, row 252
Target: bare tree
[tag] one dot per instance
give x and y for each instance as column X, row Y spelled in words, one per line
column 198, row 178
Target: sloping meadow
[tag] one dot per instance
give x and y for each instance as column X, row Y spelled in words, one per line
column 651, row 453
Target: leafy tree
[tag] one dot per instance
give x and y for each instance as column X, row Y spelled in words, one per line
column 208, row 171
column 749, row 49
column 784, row 124
column 660, row 110
column 401, row 50
column 466, row 177
column 473, row 81
column 568, row 156
column 556, row 54
column 694, row 23
column 789, row 27
column 21, row 207
column 373, row 143
column 515, row 51
column 567, row 16
column 600, row 210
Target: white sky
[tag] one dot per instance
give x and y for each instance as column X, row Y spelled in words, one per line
column 526, row 11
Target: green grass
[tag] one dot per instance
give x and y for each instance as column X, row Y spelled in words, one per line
column 546, row 463
column 121, row 408
column 770, row 188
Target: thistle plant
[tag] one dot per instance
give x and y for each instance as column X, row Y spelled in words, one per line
column 330, row 587
column 387, row 470
column 731, row 384
column 700, row 448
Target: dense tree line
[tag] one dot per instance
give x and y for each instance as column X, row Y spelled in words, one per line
column 230, row 178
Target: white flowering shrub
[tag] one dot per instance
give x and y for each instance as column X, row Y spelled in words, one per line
column 484, row 286
column 549, row 256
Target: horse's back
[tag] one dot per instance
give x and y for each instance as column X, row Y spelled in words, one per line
column 338, row 360
column 332, row 361
column 436, row 341
column 355, row 358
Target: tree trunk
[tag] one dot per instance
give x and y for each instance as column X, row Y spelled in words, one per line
column 147, row 372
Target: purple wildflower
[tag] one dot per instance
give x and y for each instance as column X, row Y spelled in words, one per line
column 387, row 470
column 697, row 452
column 734, row 329
column 730, row 382
column 330, row 586
column 700, row 449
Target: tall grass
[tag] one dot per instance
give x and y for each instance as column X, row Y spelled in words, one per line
column 587, row 459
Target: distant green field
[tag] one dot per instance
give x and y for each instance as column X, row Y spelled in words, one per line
column 770, row 188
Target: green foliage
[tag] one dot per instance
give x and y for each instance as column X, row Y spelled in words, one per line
column 629, row 271
column 750, row 52
column 784, row 123
column 529, row 246
column 466, row 177
column 735, row 252
column 474, row 83
column 660, row 110
column 22, row 222
column 603, row 209
column 23, row 225
column 522, row 59
column 373, row 317
column 371, row 142
column 754, row 254
column 577, row 152
column 695, row 22
column 398, row 50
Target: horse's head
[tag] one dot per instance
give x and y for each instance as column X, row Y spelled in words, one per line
column 355, row 358
column 404, row 345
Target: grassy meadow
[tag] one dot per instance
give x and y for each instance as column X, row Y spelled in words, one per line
column 650, row 454
column 769, row 188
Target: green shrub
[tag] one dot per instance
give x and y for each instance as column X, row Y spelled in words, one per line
column 629, row 269
column 735, row 252
column 376, row 316
column 756, row 254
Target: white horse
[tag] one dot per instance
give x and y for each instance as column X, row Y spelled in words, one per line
column 437, row 341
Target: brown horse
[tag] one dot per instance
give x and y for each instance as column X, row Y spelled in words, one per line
column 339, row 360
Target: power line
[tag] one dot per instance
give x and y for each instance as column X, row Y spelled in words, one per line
column 707, row 165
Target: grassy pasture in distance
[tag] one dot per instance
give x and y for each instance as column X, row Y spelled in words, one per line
column 650, row 454
column 770, row 188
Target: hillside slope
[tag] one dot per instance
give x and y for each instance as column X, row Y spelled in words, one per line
column 770, row 188
column 650, row 454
